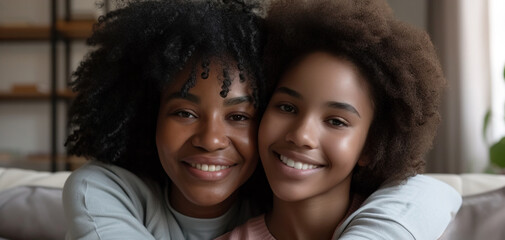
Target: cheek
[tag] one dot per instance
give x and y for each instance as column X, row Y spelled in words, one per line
column 246, row 142
column 344, row 151
column 267, row 132
column 163, row 146
column 247, row 145
column 168, row 139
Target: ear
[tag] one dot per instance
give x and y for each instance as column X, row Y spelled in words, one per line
column 363, row 160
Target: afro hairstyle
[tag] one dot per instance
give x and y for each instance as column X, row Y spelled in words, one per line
column 136, row 52
column 397, row 60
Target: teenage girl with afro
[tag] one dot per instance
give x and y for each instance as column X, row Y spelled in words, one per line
column 168, row 105
column 353, row 112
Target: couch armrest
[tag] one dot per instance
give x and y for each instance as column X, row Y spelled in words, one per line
column 31, row 204
column 471, row 183
column 13, row 177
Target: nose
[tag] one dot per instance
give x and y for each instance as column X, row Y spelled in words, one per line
column 303, row 133
column 211, row 135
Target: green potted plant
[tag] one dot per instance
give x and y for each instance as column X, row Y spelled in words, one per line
column 496, row 150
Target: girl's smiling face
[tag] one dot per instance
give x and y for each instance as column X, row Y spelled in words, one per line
column 207, row 143
column 315, row 127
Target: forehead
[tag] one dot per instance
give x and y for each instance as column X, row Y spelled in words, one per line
column 325, row 77
column 192, row 76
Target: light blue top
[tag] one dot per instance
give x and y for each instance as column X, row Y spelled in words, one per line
column 421, row 208
column 204, row 228
column 108, row 202
column 104, row 201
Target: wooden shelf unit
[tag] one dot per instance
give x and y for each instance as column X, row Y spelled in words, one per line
column 64, row 31
column 63, row 94
column 76, row 29
column 24, row 32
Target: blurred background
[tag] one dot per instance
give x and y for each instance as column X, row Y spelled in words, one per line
column 42, row 42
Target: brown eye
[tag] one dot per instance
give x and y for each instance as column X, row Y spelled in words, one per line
column 287, row 108
column 184, row 114
column 336, row 122
column 238, row 117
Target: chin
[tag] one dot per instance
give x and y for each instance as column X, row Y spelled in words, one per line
column 288, row 194
column 207, row 199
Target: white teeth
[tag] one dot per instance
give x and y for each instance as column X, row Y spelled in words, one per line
column 208, row 168
column 297, row 165
column 290, row 163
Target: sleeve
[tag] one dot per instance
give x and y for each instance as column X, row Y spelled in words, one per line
column 421, row 208
column 99, row 204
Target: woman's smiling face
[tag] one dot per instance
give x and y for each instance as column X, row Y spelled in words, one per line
column 206, row 143
column 315, row 127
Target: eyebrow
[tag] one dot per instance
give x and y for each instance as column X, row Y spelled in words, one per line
column 344, row 106
column 195, row 99
column 237, row 100
column 289, row 92
column 332, row 104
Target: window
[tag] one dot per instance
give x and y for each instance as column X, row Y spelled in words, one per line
column 497, row 65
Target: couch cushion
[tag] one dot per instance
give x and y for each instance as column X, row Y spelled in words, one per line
column 12, row 177
column 481, row 216
column 31, row 204
column 471, row 183
column 31, row 212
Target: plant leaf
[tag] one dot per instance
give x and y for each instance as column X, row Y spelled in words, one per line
column 504, row 73
column 487, row 117
column 497, row 153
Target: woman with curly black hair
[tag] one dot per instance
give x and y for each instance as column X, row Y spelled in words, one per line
column 167, row 110
column 353, row 112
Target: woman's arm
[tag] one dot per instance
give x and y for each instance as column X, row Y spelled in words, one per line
column 420, row 208
column 104, row 202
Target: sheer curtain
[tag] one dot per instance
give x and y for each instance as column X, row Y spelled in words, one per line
column 497, row 54
column 460, row 32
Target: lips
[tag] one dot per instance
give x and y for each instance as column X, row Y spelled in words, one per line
column 203, row 160
column 297, row 160
column 294, row 164
column 208, row 168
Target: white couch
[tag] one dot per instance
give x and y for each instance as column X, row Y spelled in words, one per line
column 30, row 205
column 482, row 214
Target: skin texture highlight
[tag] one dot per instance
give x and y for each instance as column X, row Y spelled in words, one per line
column 319, row 116
column 206, row 143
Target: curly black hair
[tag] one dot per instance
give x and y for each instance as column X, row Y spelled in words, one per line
column 398, row 61
column 137, row 51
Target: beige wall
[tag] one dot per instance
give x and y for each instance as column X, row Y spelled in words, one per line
column 411, row 11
